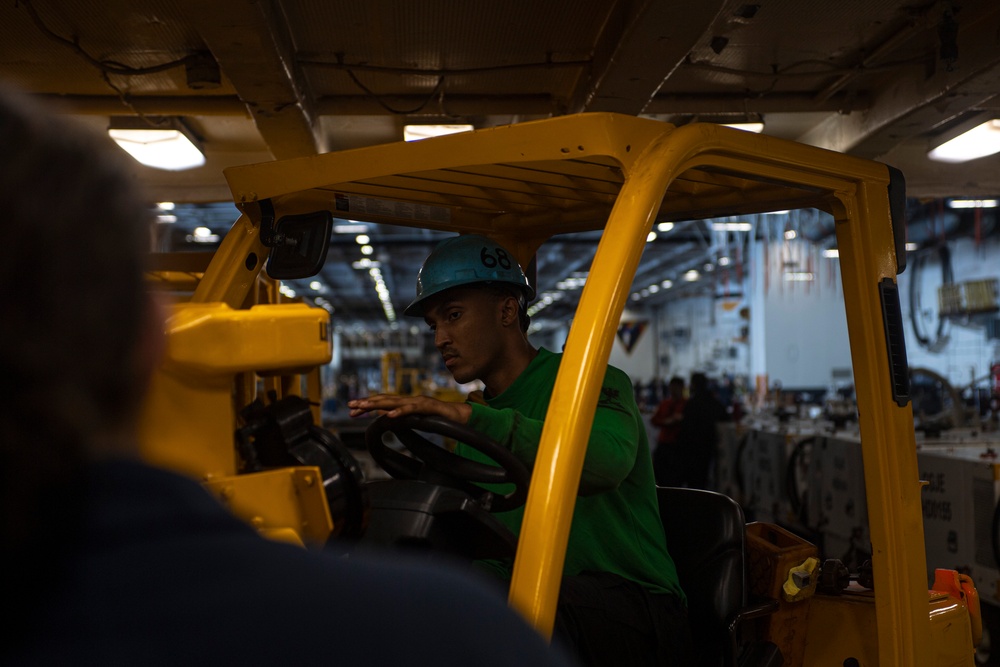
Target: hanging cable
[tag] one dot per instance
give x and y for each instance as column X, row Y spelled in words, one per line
column 941, row 336
column 106, row 66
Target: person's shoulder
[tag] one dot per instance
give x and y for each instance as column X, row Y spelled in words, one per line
column 617, row 376
column 444, row 615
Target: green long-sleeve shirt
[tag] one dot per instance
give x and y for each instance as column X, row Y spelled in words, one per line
column 616, row 524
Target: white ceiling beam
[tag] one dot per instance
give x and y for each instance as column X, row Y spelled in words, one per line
column 911, row 101
column 248, row 39
column 642, row 43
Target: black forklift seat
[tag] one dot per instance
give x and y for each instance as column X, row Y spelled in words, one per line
column 705, row 534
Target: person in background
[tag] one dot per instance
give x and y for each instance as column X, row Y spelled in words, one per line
column 667, row 459
column 620, row 602
column 698, row 435
column 109, row 561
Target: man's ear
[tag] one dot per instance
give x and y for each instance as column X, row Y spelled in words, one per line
column 509, row 311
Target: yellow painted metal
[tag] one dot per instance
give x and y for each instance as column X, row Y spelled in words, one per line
column 892, row 480
column 840, row 628
column 286, row 504
column 523, row 184
column 396, row 378
column 232, row 274
column 189, row 419
column 392, row 362
column 213, row 338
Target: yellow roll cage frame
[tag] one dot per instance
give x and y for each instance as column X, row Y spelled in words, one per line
column 525, row 183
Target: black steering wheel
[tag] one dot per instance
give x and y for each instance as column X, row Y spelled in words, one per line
column 435, row 464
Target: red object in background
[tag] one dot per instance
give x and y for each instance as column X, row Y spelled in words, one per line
column 995, row 389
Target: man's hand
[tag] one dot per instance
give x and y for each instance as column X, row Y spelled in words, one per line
column 397, row 406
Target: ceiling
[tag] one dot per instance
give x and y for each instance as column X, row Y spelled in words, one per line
column 257, row 80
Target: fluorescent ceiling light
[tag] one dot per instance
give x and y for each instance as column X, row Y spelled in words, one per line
column 202, row 235
column 831, row 252
column 798, row 276
column 910, row 247
column 723, row 261
column 731, row 226
column 367, row 250
column 171, row 147
column 351, row 228
column 756, row 128
column 972, row 203
column 362, row 239
column 692, row 275
column 667, row 284
column 980, row 141
column 417, row 132
column 790, row 234
column 316, row 286
column 650, row 237
column 665, row 226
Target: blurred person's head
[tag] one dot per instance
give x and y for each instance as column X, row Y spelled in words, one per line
column 699, row 383
column 79, row 332
column 676, row 386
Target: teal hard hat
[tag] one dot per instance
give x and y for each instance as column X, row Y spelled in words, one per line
column 463, row 260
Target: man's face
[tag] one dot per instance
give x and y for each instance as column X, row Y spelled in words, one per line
column 466, row 322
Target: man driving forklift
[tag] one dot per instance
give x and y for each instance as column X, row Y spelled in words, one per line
column 620, row 601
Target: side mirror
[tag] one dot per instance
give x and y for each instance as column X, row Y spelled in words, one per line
column 299, row 244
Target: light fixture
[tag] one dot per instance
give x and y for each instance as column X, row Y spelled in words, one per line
column 798, row 276
column 650, row 237
column 417, row 132
column 202, row 235
column 352, row 227
column 832, row 253
column 756, row 128
column 367, row 250
column 731, row 226
column 691, row 275
column 315, row 285
column 667, row 284
column 980, row 141
column 161, row 143
column 972, row 203
column 665, row 226
column 790, row 234
column 723, row 261
column 910, row 247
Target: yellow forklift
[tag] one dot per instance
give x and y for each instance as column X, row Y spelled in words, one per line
column 522, row 185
